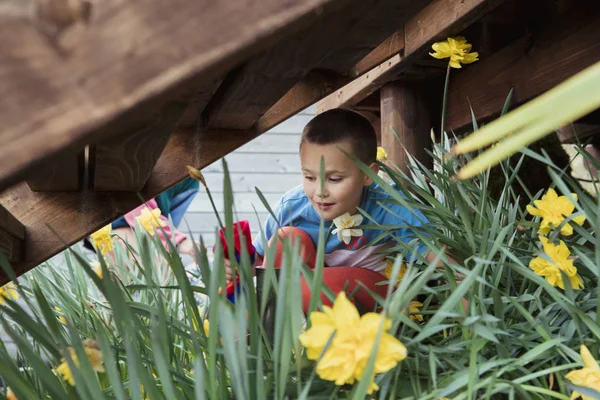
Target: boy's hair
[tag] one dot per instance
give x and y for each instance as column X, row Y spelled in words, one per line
column 338, row 125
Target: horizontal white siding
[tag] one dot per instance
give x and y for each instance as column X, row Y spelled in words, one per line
column 269, row 163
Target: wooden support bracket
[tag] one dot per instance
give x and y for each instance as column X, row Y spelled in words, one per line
column 12, row 235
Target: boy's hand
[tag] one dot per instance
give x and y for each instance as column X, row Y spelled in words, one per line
column 228, row 270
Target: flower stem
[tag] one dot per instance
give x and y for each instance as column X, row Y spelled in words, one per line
column 444, row 100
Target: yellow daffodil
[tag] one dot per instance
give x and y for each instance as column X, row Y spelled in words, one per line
column 92, row 350
column 61, row 317
column 205, row 323
column 413, row 309
column 346, row 358
column 149, row 219
column 97, row 267
column 560, row 262
column 381, row 154
column 344, row 224
column 456, row 49
column 10, row 394
column 388, row 271
column 103, row 239
column 8, row 291
column 554, row 209
column 588, row 376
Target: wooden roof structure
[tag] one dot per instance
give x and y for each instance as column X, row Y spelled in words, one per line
column 106, row 114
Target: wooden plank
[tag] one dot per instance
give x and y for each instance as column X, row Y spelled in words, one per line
column 244, row 202
column 245, row 182
column 274, row 143
column 125, row 161
column 314, row 86
column 133, row 57
column 197, row 102
column 259, row 163
column 403, row 110
column 441, row 18
column 11, row 224
column 390, row 47
column 62, row 174
column 530, row 66
column 361, row 87
column 341, row 36
column 10, row 246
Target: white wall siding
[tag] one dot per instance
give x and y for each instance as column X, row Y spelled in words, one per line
column 269, row 162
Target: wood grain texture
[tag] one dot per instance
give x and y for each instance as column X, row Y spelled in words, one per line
column 441, row 18
column 403, row 110
column 192, row 116
column 61, row 174
column 125, row 161
column 135, row 55
column 10, row 246
column 532, row 65
column 390, row 47
column 343, row 36
column 11, row 224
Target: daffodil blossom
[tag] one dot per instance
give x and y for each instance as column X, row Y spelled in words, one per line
column 554, row 209
column 95, row 357
column 149, row 219
column 348, row 354
column 381, row 154
column 588, row 376
column 456, row 49
column 560, row 261
column 344, row 224
column 103, row 240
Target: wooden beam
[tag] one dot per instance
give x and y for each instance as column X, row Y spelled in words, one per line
column 403, row 110
column 135, row 55
column 360, row 88
column 125, row 161
column 192, row 115
column 390, row 47
column 60, row 174
column 316, row 85
column 12, row 233
column 438, row 20
column 531, row 66
column 344, row 37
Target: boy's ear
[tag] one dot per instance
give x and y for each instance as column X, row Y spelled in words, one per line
column 375, row 168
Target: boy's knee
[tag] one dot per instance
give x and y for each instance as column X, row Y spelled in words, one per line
column 307, row 247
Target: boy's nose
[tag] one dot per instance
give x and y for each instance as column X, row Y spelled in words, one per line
column 322, row 192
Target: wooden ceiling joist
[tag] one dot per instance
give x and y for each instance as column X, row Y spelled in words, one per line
column 438, row 20
column 530, row 66
column 389, row 48
column 125, row 161
column 336, row 42
column 133, row 54
column 12, row 234
column 60, row 174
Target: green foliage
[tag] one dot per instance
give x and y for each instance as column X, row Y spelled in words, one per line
column 517, row 337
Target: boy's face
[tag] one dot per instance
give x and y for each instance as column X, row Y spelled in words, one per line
column 344, row 181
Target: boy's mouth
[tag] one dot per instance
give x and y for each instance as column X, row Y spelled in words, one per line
column 324, row 206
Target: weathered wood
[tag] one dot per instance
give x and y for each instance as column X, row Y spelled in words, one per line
column 10, row 246
column 314, row 86
column 11, row 224
column 61, row 174
column 438, row 20
column 197, row 102
column 134, row 56
column 390, row 47
column 403, row 110
column 360, row 88
column 125, row 161
column 342, row 36
column 531, row 66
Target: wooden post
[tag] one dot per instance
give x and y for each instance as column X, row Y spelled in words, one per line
column 403, row 110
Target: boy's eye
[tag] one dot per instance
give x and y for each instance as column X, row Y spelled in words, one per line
column 309, row 178
column 335, row 180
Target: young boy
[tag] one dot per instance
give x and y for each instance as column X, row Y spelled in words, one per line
column 347, row 258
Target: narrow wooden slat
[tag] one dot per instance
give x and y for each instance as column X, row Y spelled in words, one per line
column 404, row 111
column 360, row 88
column 61, row 174
column 438, row 20
column 135, row 55
column 125, row 161
column 531, row 66
column 336, row 43
column 390, row 47
column 197, row 102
